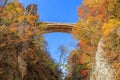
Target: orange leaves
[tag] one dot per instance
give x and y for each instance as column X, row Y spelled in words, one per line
column 84, row 46
column 89, row 49
column 93, row 8
column 84, row 58
column 29, row 33
column 13, row 29
column 81, row 60
column 81, row 11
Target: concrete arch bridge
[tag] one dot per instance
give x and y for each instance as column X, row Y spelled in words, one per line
column 58, row 27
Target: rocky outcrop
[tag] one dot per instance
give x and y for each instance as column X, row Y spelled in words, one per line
column 102, row 70
column 31, row 9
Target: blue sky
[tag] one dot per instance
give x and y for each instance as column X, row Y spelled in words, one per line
column 57, row 11
column 57, row 39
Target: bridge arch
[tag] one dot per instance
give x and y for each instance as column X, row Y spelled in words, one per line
column 58, row 27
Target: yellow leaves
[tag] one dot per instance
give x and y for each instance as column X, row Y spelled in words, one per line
column 19, row 10
column 12, row 12
column 32, row 19
column 111, row 4
column 17, row 39
column 88, row 2
column 21, row 18
column 93, row 3
column 79, row 29
column 41, row 38
column 110, row 26
column 98, row 17
column 17, row 4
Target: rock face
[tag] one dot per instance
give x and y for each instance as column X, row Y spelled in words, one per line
column 102, row 70
column 31, row 9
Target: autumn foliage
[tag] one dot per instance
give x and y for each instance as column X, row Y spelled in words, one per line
column 22, row 48
column 97, row 19
column 23, row 54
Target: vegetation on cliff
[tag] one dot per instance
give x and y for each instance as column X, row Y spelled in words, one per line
column 98, row 19
column 22, row 48
column 23, row 54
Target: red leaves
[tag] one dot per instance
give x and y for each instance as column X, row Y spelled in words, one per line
column 1, row 72
column 81, row 43
column 106, row 2
column 84, row 73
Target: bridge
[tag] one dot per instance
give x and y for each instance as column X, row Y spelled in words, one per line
column 58, row 27
column 50, row 26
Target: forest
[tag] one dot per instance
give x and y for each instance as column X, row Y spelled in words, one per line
column 23, row 54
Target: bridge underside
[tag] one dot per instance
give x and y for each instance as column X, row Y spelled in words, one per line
column 58, row 27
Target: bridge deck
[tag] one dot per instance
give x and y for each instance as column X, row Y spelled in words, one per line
column 58, row 27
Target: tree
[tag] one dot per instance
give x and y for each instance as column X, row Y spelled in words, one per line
column 22, row 47
column 63, row 60
column 97, row 19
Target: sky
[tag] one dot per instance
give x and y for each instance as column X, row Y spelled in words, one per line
column 56, row 10
column 57, row 39
column 64, row 11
